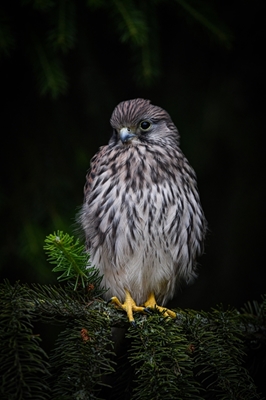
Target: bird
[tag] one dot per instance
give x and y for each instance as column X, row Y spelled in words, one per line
column 142, row 216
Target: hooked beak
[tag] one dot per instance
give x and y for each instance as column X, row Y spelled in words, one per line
column 126, row 135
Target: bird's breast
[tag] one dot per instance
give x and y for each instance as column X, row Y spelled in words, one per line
column 139, row 223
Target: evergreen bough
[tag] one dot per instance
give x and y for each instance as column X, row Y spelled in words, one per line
column 51, row 29
column 200, row 355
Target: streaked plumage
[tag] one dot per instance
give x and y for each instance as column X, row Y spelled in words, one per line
column 142, row 216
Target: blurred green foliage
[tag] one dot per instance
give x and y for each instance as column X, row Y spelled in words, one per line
column 51, row 30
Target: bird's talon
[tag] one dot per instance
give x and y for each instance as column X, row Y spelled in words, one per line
column 133, row 324
column 148, row 310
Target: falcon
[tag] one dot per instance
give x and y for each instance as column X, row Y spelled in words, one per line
column 142, row 216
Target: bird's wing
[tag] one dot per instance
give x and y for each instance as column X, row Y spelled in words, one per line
column 93, row 171
column 91, row 181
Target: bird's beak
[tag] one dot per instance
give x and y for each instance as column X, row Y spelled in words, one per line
column 126, row 135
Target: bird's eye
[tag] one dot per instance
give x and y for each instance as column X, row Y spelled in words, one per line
column 145, row 125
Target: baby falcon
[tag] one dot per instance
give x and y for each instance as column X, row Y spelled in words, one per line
column 142, row 216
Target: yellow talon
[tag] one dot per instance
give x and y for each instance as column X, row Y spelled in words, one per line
column 151, row 303
column 129, row 306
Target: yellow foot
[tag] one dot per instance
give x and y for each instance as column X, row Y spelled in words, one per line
column 129, row 306
column 151, row 304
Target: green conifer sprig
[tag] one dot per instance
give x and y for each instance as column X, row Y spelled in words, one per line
column 55, row 23
column 23, row 363
column 218, row 350
column 63, row 33
column 219, row 31
column 70, row 258
column 60, row 304
column 163, row 366
column 253, row 317
column 133, row 25
column 255, row 309
column 50, row 75
column 82, row 358
column 132, row 22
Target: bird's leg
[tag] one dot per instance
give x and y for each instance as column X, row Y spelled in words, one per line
column 151, row 304
column 129, row 306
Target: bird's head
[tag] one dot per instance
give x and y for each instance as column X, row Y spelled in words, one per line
column 137, row 120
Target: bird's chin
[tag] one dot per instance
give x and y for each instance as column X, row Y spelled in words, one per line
column 130, row 142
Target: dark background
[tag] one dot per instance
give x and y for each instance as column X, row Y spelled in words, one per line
column 215, row 94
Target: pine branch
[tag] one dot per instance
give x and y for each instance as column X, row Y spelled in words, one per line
column 23, row 368
column 131, row 22
column 163, row 366
column 83, row 352
column 199, row 355
column 195, row 356
column 57, row 27
column 60, row 304
column 62, row 36
column 50, row 75
column 133, row 26
column 70, row 259
column 218, row 353
column 222, row 33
